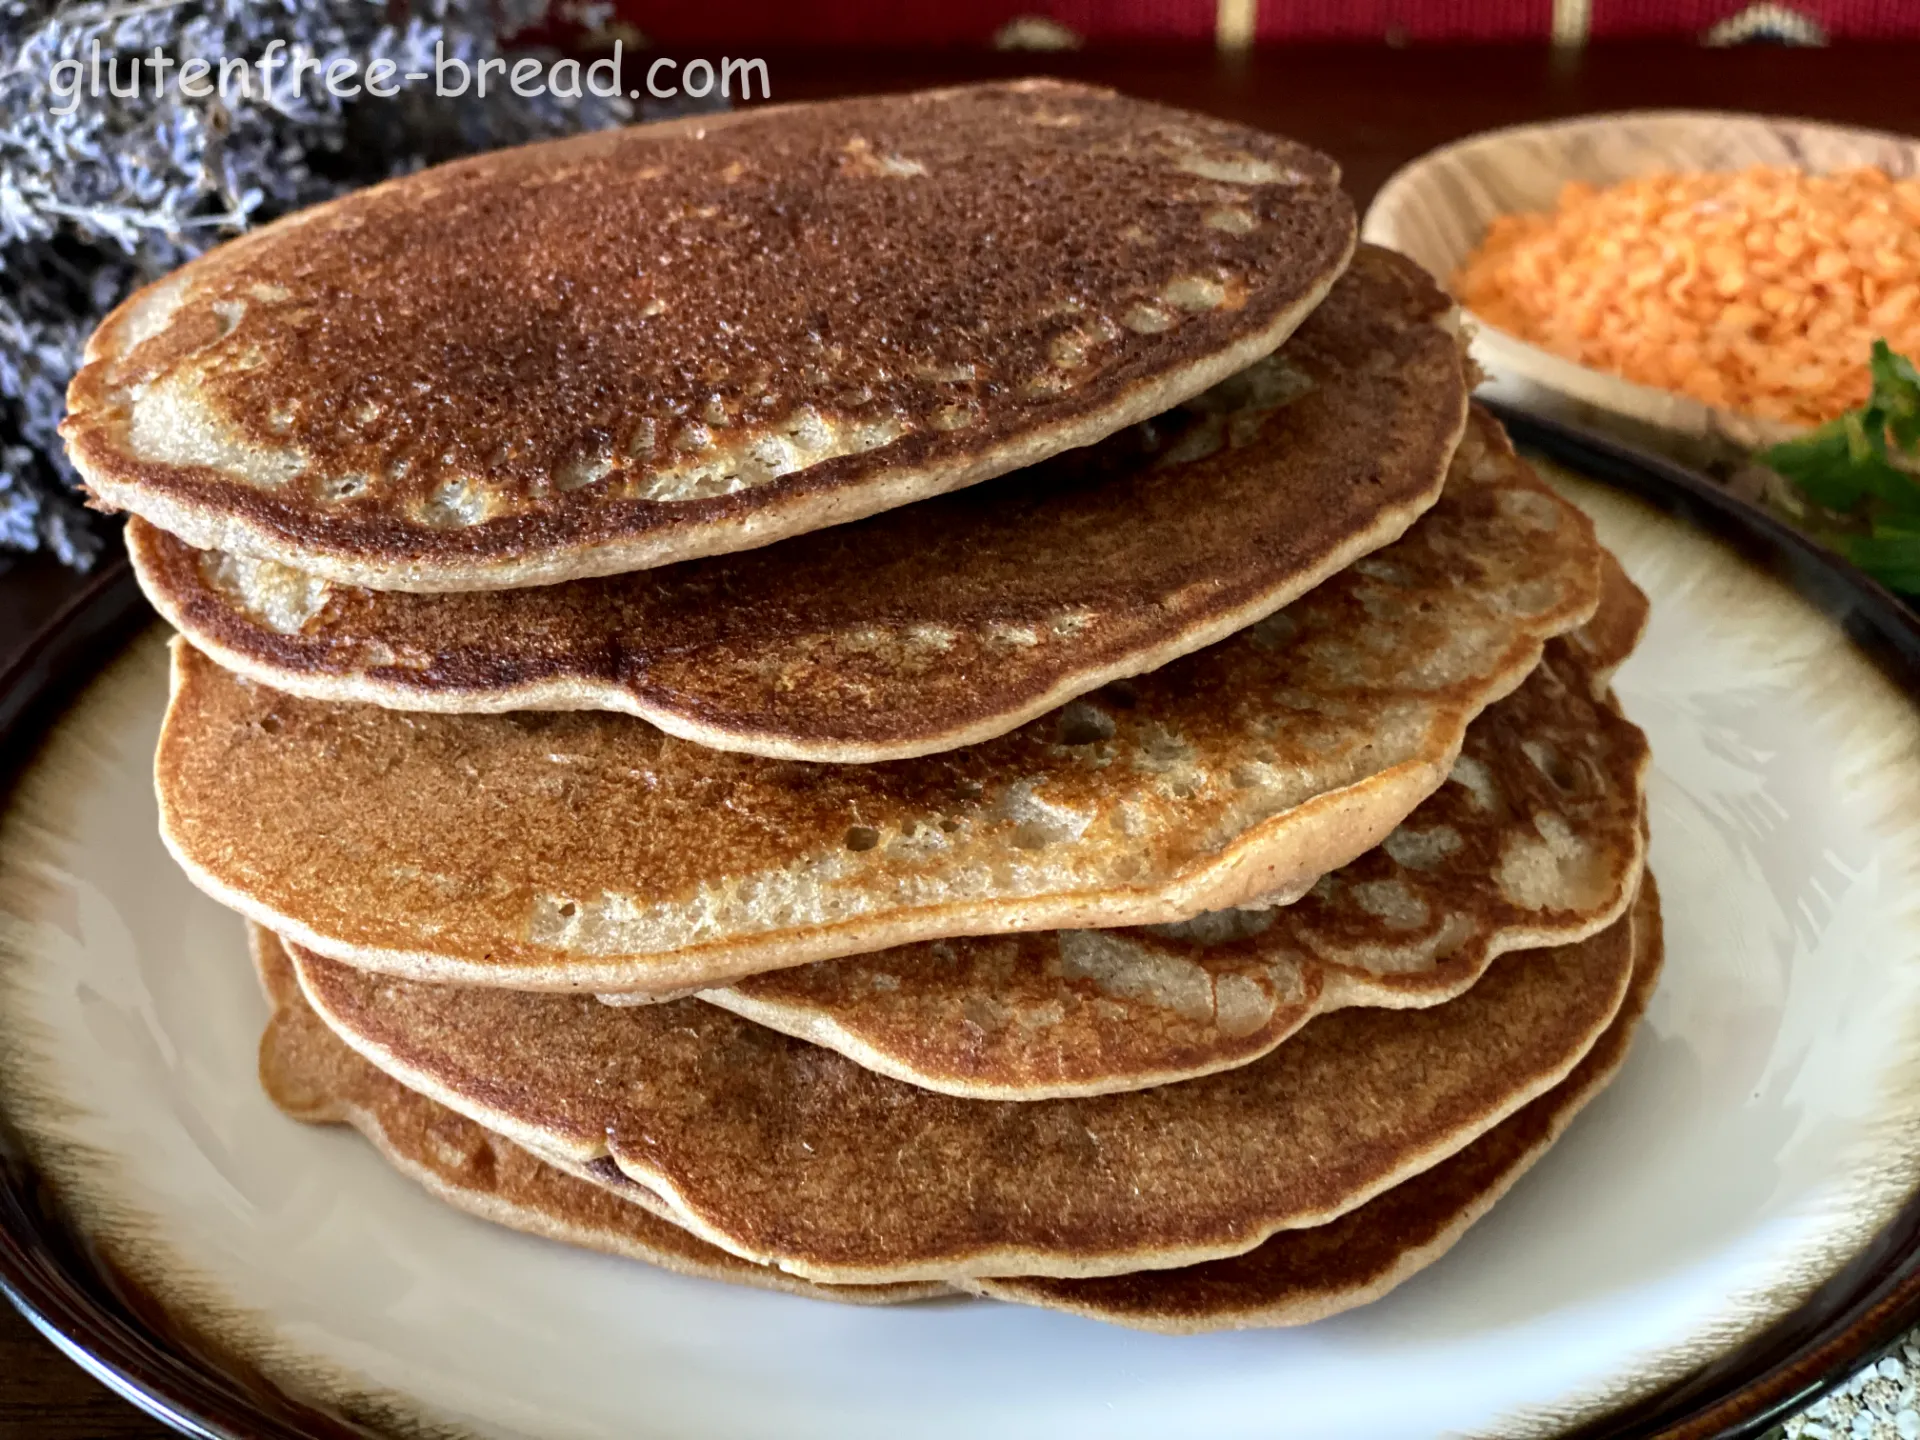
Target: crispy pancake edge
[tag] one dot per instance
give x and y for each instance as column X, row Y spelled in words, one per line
column 313, row 1078
column 1271, row 862
column 1362, row 1266
column 952, row 1259
column 171, row 578
column 825, row 1025
column 1590, row 654
column 1373, row 1250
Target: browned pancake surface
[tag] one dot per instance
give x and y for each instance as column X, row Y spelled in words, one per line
column 787, row 1153
column 639, row 346
column 1304, row 1275
column 1535, row 840
column 312, row 1076
column 1293, row 1278
column 591, row 851
column 931, row 625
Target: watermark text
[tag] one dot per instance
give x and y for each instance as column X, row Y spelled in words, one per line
column 280, row 70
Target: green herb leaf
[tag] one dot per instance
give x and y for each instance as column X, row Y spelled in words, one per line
column 1896, row 395
column 1843, row 464
column 1862, row 472
column 1820, row 463
column 1891, row 556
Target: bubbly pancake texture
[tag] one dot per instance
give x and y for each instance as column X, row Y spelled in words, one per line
column 1300, row 1276
column 931, row 625
column 1536, row 839
column 591, row 851
column 310, row 1075
column 789, row 1154
column 633, row 347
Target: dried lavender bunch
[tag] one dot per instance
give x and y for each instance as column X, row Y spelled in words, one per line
column 95, row 202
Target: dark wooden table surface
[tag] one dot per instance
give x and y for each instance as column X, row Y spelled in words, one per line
column 1373, row 108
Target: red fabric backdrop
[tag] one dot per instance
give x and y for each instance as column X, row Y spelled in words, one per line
column 889, row 23
column 1840, row 19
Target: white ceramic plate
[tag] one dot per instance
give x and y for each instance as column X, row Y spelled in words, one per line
column 1766, row 1126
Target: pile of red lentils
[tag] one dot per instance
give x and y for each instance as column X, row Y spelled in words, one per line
column 1760, row 291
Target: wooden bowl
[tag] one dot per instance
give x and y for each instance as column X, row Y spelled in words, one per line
column 1437, row 209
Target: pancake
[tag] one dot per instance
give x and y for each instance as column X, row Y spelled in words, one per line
column 1293, row 1278
column 932, row 625
column 639, row 346
column 1536, row 840
column 590, row 851
column 785, row 1153
column 311, row 1076
column 1301, row 1276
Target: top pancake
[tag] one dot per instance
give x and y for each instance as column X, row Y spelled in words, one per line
column 589, row 851
column 933, row 625
column 623, row 349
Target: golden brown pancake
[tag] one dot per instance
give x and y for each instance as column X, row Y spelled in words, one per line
column 639, row 346
column 1535, row 840
column 1300, row 1276
column 1295, row 1277
column 310, row 1075
column 590, row 851
column 932, row 625
column 789, row 1154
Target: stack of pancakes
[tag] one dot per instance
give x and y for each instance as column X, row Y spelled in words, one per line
column 927, row 694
